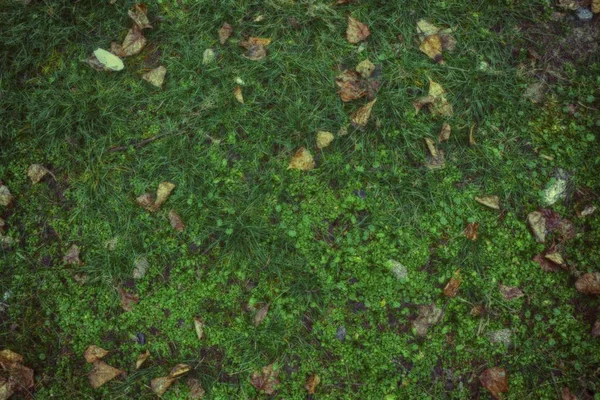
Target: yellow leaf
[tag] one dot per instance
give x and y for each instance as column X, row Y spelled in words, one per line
column 432, row 46
column 472, row 135
column 160, row 385
column 360, row 117
column 302, row 160
column 179, row 370
column 596, row 6
column 36, row 172
column 356, row 31
column 489, row 201
column 108, row 60
column 199, row 327
column 365, row 68
column 93, row 353
column 311, row 383
column 425, row 28
column 142, row 359
column 156, row 76
column 324, row 139
column 102, row 373
column 445, row 132
column 237, row 93
column 164, row 190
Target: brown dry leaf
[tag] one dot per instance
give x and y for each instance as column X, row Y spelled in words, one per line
column 224, row 32
column 510, row 292
column 477, row 310
column 436, row 101
column 7, row 388
column 495, row 381
column 445, row 132
column 596, row 6
column 162, row 193
column 565, row 229
column 196, row 389
column 471, row 231
column 102, row 373
column 436, row 158
column 451, row 288
column 421, row 102
column 176, row 221
column 160, row 385
column 8, row 357
column 550, row 260
column 261, row 314
column 311, row 383
column 94, row 353
column 265, row 380
column 156, row 76
column 36, row 172
column 72, row 256
column 146, row 201
column 20, row 379
column 133, row 43
column 360, row 117
column 199, row 327
column 365, row 68
column 138, row 14
column 432, row 46
column 567, row 395
column 537, row 223
column 356, row 31
column 302, row 160
column 489, row 201
column 351, row 87
column 589, row 283
column 429, row 315
column 128, row 299
column 472, row 135
column 596, row 329
column 142, row 359
column 324, row 139
column 237, row 93
column 255, row 48
column 5, row 196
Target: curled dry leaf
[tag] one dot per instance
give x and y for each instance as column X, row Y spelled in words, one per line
column 142, row 359
column 489, row 201
column 429, row 315
column 176, row 221
column 351, row 86
column 451, row 288
column 255, row 48
column 179, row 370
column 471, row 231
column 237, row 93
column 360, row 117
column 261, row 314
column 589, row 283
column 537, row 223
column 128, row 299
column 302, row 160
column 102, row 373
column 365, row 68
column 311, row 383
column 5, row 196
column 495, row 381
column 199, row 327
column 510, row 292
column 225, row 32
column 324, row 139
column 133, row 43
column 156, row 76
column 196, row 389
column 160, row 385
column 266, row 380
column 445, row 132
column 356, row 31
column 36, row 172
column 72, row 256
column 94, row 353
column 138, row 13
column 141, row 266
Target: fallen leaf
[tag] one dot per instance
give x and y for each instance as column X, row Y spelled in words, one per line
column 356, row 31
column 596, row 6
column 102, row 373
column 265, row 380
column 199, row 327
column 160, row 385
column 351, row 86
column 133, row 43
column 36, row 172
column 5, row 196
column 162, row 193
column 537, row 223
column 434, row 40
column 432, row 46
column 302, row 160
column 224, row 32
column 324, row 139
column 94, row 353
column 140, row 268
column 237, row 93
column 20, row 377
column 565, row 229
column 365, row 68
column 72, row 256
column 142, row 359
column 196, row 389
column 179, row 370
column 535, row 92
column 550, row 260
column 596, row 329
column 589, row 283
column 556, row 190
column 7, row 388
column 436, row 101
column 451, row 288
column 510, row 292
column 445, row 132
column 472, row 141
column 471, row 231
column 176, row 221
column 436, row 158
column 586, row 211
column 360, row 117
column 138, row 14
column 107, row 60
column 477, row 310
column 208, row 57
column 156, row 76
column 429, row 315
column 8, row 357
column 489, row 201
column 261, row 314
column 128, row 299
column 311, row 383
column 426, row 28
column 255, row 48
column 495, row 381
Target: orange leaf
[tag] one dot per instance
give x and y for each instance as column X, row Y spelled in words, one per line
column 495, row 381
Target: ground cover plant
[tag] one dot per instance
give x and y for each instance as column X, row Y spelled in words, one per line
column 299, row 199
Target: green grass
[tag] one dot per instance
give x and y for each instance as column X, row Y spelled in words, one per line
column 305, row 242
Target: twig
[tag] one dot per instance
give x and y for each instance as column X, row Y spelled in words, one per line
column 137, row 145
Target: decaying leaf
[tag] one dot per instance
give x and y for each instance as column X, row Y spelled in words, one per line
column 434, row 40
column 179, row 370
column 266, row 380
column 146, row 201
column 365, row 68
column 324, row 139
column 435, row 101
column 160, row 385
column 176, row 221
column 237, row 93
column 356, row 31
column 141, row 266
column 209, row 56
column 133, row 43
column 196, row 389
column 261, row 314
column 351, row 86
column 429, row 315
column 20, row 378
column 72, row 256
column 510, row 292
column 106, row 60
column 255, row 48
column 128, row 299
column 535, row 92
column 556, row 190
column 94, row 353
column 7, row 388
column 489, row 201
column 102, row 373
column 436, row 158
column 445, row 132
column 360, row 117
column 163, row 192
column 311, row 383
column 550, row 260
column 199, row 327
column 426, row 28
column 302, row 160
column 432, row 47
column 589, row 283
column 36, row 172
column 142, row 359
column 586, row 211
column 451, row 288
column 8, row 357
column 537, row 223
column 471, row 231
column 477, row 310
column 225, row 32
column 565, row 229
column 596, row 6
column 138, row 13
column 5, row 196
column 156, row 76
column 495, row 381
